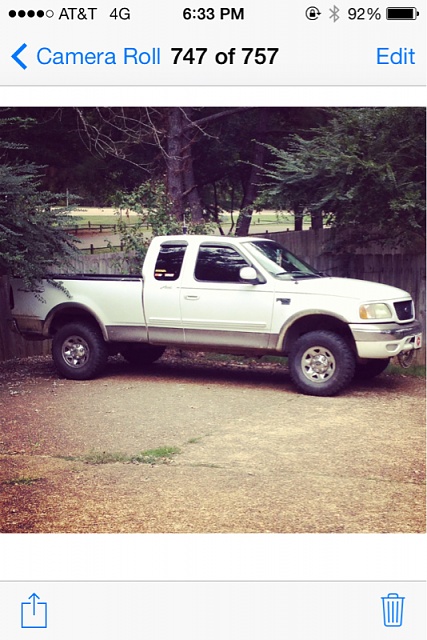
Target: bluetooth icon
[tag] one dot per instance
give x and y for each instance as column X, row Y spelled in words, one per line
column 334, row 13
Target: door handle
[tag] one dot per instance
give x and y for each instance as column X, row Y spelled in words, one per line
column 191, row 297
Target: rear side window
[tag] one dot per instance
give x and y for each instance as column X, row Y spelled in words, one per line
column 169, row 262
column 219, row 264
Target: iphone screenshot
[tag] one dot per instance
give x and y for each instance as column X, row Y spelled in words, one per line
column 212, row 320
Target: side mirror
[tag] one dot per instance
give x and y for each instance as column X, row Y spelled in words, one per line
column 249, row 275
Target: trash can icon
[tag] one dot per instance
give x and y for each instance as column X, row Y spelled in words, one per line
column 393, row 610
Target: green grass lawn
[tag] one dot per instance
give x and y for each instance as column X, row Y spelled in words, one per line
column 414, row 371
column 261, row 222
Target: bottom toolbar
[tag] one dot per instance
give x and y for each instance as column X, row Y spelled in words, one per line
column 213, row 610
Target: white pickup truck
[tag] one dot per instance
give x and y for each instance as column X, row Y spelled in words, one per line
column 245, row 296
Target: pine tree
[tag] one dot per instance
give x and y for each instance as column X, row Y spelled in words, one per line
column 33, row 235
column 364, row 172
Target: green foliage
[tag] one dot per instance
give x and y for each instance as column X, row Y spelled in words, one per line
column 22, row 480
column 50, row 136
column 33, row 234
column 364, row 171
column 162, row 455
column 94, row 152
column 155, row 218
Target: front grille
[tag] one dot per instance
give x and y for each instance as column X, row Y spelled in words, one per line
column 404, row 310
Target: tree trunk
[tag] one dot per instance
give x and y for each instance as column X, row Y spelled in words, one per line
column 174, row 163
column 251, row 191
column 298, row 219
column 191, row 192
column 181, row 184
column 317, row 220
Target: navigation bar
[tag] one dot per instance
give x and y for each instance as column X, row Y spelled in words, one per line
column 259, row 44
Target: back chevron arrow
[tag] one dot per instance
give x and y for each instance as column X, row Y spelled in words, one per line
column 15, row 56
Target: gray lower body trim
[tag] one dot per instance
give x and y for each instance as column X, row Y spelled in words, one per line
column 196, row 339
column 28, row 326
column 220, row 339
column 126, row 333
column 166, row 335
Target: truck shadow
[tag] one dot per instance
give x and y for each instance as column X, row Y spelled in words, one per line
column 203, row 372
column 260, row 375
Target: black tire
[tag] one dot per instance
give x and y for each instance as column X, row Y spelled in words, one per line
column 142, row 355
column 370, row 368
column 79, row 351
column 321, row 363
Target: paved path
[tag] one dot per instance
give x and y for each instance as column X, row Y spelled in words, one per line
column 255, row 456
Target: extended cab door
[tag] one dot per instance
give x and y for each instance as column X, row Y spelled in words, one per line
column 217, row 308
column 161, row 299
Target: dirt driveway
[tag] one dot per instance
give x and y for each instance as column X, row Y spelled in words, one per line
column 244, row 452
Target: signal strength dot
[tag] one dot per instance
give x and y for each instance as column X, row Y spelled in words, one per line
column 21, row 13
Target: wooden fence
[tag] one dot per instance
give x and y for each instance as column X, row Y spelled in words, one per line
column 402, row 270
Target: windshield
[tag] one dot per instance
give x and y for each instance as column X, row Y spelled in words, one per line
column 280, row 262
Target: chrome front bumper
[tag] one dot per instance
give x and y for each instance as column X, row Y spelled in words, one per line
column 386, row 340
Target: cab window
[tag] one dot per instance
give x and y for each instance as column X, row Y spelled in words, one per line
column 218, row 264
column 169, row 262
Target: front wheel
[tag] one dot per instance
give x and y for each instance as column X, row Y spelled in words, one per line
column 79, row 351
column 321, row 363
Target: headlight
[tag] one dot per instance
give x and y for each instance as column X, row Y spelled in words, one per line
column 375, row 311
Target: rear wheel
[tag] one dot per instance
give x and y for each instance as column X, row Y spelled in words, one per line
column 142, row 354
column 321, row 363
column 79, row 351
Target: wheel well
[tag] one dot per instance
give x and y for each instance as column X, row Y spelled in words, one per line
column 316, row 322
column 65, row 316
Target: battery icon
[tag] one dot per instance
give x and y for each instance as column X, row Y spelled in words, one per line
column 401, row 13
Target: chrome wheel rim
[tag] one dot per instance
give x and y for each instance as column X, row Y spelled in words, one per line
column 75, row 351
column 318, row 364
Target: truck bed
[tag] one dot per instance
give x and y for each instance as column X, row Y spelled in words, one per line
column 115, row 301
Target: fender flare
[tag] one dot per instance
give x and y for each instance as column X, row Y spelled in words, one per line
column 307, row 313
column 70, row 306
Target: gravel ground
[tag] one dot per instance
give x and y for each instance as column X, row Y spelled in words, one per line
column 254, row 455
